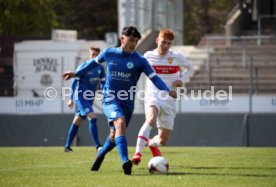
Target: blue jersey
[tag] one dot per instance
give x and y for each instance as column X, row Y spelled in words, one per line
column 83, row 86
column 123, row 72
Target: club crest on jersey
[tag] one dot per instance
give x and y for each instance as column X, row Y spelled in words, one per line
column 170, row 60
column 113, row 114
column 130, row 65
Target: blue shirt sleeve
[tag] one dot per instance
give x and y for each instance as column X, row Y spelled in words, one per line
column 73, row 88
column 102, row 77
column 90, row 64
column 156, row 80
column 87, row 66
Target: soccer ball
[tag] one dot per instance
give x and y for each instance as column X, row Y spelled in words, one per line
column 158, row 165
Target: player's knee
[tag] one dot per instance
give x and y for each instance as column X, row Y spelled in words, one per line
column 120, row 132
column 91, row 115
column 151, row 121
column 77, row 121
column 112, row 136
column 120, row 127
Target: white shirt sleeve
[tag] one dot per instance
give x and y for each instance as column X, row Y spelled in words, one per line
column 186, row 68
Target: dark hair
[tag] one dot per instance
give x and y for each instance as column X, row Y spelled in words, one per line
column 95, row 49
column 131, row 31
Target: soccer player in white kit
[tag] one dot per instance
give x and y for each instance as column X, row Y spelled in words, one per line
column 173, row 68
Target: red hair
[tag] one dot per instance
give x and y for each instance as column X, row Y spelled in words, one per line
column 167, row 34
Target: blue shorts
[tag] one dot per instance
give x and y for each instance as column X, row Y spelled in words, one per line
column 114, row 110
column 84, row 107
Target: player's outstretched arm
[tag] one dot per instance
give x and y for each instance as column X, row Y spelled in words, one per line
column 86, row 66
column 102, row 78
column 83, row 68
column 159, row 83
column 70, row 103
column 156, row 80
column 73, row 88
column 68, row 75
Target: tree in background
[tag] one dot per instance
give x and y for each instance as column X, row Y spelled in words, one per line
column 92, row 19
column 204, row 17
column 27, row 17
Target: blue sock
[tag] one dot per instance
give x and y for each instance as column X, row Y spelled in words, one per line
column 71, row 135
column 93, row 129
column 121, row 143
column 108, row 146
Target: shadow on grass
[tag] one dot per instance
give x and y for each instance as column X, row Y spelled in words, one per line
column 221, row 174
column 208, row 174
column 217, row 173
column 226, row 167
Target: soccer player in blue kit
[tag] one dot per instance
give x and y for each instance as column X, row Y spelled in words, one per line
column 124, row 67
column 86, row 82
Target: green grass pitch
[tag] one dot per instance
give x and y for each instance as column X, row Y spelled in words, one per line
column 189, row 166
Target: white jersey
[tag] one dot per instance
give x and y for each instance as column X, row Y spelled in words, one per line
column 171, row 67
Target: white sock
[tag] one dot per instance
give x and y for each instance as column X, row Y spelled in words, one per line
column 155, row 141
column 143, row 135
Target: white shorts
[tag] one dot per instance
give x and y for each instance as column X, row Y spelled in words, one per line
column 166, row 112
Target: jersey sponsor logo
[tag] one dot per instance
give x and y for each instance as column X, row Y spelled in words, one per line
column 130, row 65
column 99, row 72
column 93, row 80
column 166, row 69
column 122, row 75
column 90, row 73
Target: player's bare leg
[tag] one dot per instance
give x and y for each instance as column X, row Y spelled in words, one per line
column 144, row 133
column 159, row 140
